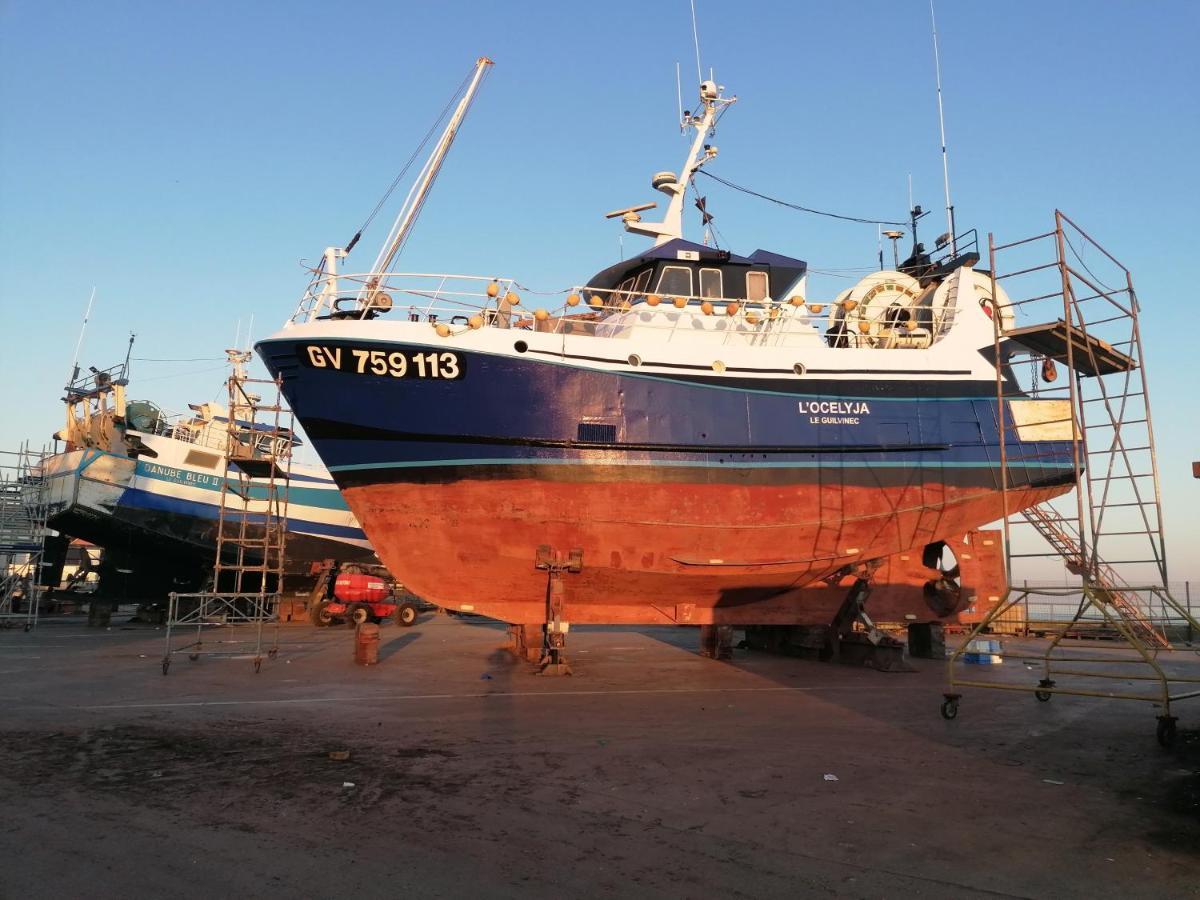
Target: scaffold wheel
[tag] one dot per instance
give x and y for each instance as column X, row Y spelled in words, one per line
column 257, row 664
column 950, row 708
column 1166, row 730
column 272, row 653
column 166, row 667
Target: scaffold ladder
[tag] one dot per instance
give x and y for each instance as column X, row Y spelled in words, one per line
column 251, row 533
column 23, row 535
column 1079, row 311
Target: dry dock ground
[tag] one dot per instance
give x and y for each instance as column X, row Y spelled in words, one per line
column 651, row 772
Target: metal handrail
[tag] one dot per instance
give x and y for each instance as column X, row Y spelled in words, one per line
column 456, row 300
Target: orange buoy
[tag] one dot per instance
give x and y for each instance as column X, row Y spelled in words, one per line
column 653, row 300
column 706, row 308
column 731, row 309
column 541, row 315
column 573, row 299
column 796, row 300
column 475, row 322
column 442, row 330
column 680, row 302
column 773, row 312
column 752, row 318
column 595, row 302
column 849, row 305
column 864, row 327
column 910, row 325
column 493, row 290
column 815, row 308
column 512, row 299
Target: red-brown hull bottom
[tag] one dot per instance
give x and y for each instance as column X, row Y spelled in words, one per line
column 653, row 554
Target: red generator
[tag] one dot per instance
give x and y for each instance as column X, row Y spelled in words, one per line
column 359, row 597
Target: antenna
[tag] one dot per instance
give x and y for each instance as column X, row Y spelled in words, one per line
column 696, row 41
column 679, row 93
column 937, row 64
column 128, row 353
column 79, row 343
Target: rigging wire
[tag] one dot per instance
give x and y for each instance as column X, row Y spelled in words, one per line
column 163, row 359
column 530, row 290
column 180, row 374
column 409, row 163
column 797, row 206
column 1076, row 254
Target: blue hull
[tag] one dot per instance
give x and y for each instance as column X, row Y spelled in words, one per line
column 513, row 416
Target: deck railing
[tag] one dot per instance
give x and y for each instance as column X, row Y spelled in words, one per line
column 453, row 303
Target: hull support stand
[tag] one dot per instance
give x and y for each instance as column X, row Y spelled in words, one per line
column 716, row 641
column 870, row 647
column 553, row 659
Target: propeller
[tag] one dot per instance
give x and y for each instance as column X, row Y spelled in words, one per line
column 944, row 594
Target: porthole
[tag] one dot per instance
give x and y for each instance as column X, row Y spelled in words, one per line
column 799, row 369
column 520, row 346
column 635, row 360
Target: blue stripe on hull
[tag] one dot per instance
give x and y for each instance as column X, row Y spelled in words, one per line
column 135, row 498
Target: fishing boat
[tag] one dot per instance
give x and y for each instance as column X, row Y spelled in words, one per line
column 145, row 485
column 687, row 438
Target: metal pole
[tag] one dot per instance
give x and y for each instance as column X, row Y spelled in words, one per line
column 1025, row 603
column 1187, row 595
column 1000, row 420
column 1079, row 436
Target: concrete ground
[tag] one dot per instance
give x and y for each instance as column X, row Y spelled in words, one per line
column 651, row 773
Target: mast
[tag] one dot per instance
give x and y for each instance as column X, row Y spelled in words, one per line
column 424, row 183
column 671, row 226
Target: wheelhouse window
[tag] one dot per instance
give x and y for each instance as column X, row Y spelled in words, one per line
column 675, row 280
column 642, row 280
column 757, row 288
column 710, row 283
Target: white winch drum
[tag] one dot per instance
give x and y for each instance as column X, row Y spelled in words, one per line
column 871, row 299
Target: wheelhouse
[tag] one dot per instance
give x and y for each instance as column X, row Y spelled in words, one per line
column 680, row 268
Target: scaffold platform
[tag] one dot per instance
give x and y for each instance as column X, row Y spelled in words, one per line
column 1101, row 543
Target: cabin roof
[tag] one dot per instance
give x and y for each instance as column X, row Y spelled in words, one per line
column 614, row 274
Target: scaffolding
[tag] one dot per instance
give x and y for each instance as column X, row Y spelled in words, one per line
column 1101, row 543
column 251, row 531
column 23, row 535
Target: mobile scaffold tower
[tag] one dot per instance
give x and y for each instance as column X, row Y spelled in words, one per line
column 251, row 525
column 22, row 536
column 1079, row 312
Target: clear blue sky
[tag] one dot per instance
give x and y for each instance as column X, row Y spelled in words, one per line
column 184, row 157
